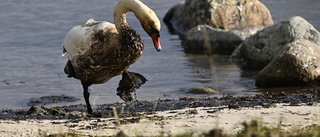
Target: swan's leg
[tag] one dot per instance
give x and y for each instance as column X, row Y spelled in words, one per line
column 86, row 96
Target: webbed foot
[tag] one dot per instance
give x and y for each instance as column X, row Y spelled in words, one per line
column 128, row 84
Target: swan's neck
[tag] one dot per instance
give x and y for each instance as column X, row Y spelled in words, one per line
column 125, row 6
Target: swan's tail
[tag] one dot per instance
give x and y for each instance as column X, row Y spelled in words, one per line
column 90, row 21
column 64, row 51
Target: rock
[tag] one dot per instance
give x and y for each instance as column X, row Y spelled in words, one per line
column 202, row 90
column 42, row 111
column 36, row 110
column 258, row 50
column 220, row 14
column 205, row 39
column 51, row 100
column 298, row 63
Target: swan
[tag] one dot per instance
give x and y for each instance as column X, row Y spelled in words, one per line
column 98, row 50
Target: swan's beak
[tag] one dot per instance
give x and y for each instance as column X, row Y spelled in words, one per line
column 156, row 41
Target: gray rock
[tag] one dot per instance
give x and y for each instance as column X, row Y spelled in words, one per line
column 298, row 63
column 205, row 39
column 258, row 50
column 220, row 14
column 202, row 90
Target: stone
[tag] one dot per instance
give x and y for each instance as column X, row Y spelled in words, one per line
column 202, row 90
column 219, row 14
column 298, row 63
column 205, row 39
column 36, row 110
column 257, row 51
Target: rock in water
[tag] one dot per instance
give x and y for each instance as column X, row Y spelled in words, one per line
column 202, row 90
column 257, row 51
column 298, row 63
column 205, row 39
column 216, row 26
column 220, row 14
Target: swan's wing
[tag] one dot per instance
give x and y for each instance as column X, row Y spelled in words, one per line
column 79, row 38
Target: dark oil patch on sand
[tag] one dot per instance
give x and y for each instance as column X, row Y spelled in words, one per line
column 51, row 100
column 142, row 108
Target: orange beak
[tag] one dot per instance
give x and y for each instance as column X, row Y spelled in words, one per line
column 156, row 41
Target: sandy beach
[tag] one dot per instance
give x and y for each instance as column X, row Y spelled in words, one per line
column 288, row 111
column 173, row 122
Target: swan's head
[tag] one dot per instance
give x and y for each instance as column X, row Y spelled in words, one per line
column 148, row 19
column 151, row 25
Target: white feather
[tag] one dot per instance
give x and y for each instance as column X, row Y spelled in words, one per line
column 79, row 38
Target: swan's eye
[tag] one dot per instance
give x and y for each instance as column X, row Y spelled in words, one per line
column 154, row 31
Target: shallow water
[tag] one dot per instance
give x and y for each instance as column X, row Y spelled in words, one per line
column 31, row 65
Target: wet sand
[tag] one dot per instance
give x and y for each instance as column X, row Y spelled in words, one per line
column 289, row 111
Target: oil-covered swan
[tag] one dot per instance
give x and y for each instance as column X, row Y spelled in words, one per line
column 99, row 50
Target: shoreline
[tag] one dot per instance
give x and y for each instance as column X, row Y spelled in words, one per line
column 286, row 110
column 171, row 122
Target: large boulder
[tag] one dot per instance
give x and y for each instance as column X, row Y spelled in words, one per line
column 298, row 63
column 205, row 39
column 220, row 14
column 257, row 51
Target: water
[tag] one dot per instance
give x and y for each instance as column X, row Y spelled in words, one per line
column 31, row 65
